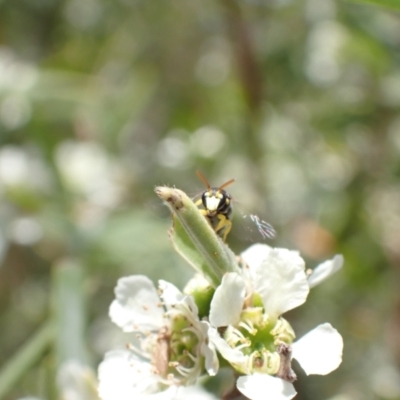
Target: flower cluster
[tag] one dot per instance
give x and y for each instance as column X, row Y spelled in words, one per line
column 240, row 322
column 173, row 342
column 249, row 331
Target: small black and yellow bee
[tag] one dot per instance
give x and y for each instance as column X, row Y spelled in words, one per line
column 217, row 209
column 217, row 205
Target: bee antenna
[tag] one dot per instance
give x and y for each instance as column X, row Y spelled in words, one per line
column 203, row 178
column 226, row 184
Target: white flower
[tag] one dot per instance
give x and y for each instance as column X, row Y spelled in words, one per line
column 256, row 340
column 174, row 347
column 123, row 376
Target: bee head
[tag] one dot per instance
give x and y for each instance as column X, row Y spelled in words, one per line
column 215, row 200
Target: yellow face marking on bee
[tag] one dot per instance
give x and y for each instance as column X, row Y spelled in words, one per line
column 212, row 203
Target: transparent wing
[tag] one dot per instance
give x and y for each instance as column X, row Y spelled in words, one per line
column 266, row 230
column 250, row 227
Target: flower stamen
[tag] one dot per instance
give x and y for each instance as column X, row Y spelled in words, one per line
column 248, row 326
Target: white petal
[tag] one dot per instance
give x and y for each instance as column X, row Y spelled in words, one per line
column 255, row 255
column 227, row 302
column 175, row 300
column 211, row 359
column 319, row 351
column 137, row 305
column 168, row 394
column 234, row 356
column 281, row 281
column 190, row 305
column 193, row 393
column 170, row 294
column 123, row 377
column 208, row 350
column 263, row 386
column 325, row 270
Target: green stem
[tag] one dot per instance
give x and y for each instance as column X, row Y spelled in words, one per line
column 25, row 358
column 69, row 312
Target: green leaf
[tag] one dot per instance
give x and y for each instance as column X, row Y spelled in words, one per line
column 194, row 239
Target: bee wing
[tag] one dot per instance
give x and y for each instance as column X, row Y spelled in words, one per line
column 266, row 230
column 251, row 227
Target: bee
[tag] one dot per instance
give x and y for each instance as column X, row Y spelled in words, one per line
column 217, row 209
column 217, row 205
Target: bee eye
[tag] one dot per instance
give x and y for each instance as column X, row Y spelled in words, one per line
column 204, row 198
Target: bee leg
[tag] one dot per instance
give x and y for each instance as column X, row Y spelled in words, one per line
column 224, row 224
column 228, row 227
column 198, row 202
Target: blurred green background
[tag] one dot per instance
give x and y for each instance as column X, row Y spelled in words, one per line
column 102, row 100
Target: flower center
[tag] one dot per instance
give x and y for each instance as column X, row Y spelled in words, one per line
column 176, row 351
column 260, row 340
